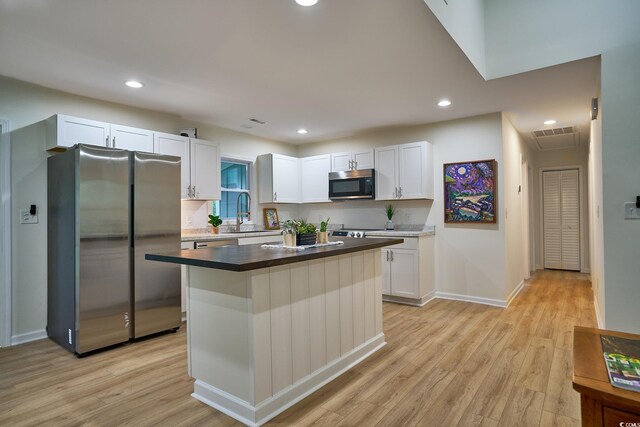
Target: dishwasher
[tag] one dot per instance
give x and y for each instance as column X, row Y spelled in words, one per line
column 213, row 243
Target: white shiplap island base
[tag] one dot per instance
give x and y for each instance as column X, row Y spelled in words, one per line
column 261, row 340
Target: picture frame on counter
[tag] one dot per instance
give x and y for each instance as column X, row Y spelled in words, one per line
column 470, row 192
column 271, row 221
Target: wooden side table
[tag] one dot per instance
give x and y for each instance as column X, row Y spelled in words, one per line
column 601, row 404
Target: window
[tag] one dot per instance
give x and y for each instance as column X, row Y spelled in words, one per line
column 234, row 181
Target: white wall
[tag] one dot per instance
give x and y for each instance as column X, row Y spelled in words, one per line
column 559, row 159
column 465, row 22
column 621, row 183
column 26, row 106
column 515, row 151
column 528, row 35
column 470, row 259
column 596, row 242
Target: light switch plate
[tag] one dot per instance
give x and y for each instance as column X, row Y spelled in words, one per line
column 27, row 218
column 631, row 211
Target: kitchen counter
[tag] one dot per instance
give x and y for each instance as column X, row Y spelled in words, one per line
column 252, row 257
column 394, row 233
column 268, row 326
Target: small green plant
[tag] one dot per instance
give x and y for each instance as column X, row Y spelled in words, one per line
column 303, row 227
column 323, row 225
column 214, row 220
column 389, row 210
column 289, row 227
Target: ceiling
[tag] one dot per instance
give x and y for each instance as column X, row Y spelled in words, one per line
column 338, row 68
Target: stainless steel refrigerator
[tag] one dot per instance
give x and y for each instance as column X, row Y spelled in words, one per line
column 106, row 209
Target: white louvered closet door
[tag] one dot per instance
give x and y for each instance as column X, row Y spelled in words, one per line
column 561, row 219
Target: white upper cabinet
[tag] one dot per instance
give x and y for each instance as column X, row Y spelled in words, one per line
column 352, row 160
column 314, row 178
column 66, row 131
column 386, row 173
column 205, row 169
column 404, row 171
column 415, row 170
column 175, row 145
column 200, row 162
column 132, row 139
column 278, row 179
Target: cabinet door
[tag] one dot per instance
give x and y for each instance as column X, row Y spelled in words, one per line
column 386, row 271
column 73, row 130
column 404, row 273
column 132, row 139
column 205, row 169
column 363, row 159
column 286, row 182
column 386, row 172
column 174, row 145
column 314, row 178
column 340, row 162
column 413, row 171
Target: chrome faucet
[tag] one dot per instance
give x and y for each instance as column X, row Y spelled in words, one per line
column 241, row 214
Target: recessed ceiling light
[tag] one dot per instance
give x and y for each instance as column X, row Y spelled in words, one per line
column 302, row 131
column 134, row 84
column 306, row 2
column 444, row 103
column 550, row 122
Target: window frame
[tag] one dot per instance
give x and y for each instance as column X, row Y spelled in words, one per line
column 230, row 158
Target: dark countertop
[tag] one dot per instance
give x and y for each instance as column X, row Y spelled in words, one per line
column 253, row 257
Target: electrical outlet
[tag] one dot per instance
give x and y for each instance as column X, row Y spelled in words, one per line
column 631, row 211
column 27, row 218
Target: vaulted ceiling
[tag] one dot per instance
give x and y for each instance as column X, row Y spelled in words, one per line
column 337, row 68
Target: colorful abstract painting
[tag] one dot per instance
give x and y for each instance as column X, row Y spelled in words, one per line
column 470, row 192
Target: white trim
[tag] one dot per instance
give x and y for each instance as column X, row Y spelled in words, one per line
column 581, row 187
column 600, row 321
column 28, row 337
column 515, row 293
column 469, row 298
column 586, row 271
column 417, row 302
column 5, row 238
column 257, row 415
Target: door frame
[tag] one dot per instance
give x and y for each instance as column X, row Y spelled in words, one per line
column 524, row 209
column 582, row 208
column 5, row 237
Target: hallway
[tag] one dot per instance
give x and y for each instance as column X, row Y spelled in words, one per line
column 447, row 363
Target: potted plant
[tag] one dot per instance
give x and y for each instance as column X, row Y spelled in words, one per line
column 305, row 233
column 389, row 210
column 322, row 234
column 289, row 233
column 215, row 222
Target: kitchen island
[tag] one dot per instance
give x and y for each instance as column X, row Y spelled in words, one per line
column 268, row 326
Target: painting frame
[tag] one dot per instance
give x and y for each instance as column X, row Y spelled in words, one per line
column 271, row 221
column 470, row 192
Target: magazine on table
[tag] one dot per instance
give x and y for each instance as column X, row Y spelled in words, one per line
column 622, row 358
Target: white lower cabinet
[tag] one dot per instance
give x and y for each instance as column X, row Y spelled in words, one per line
column 408, row 271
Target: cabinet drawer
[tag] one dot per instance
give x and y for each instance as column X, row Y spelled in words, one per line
column 617, row 417
column 409, row 242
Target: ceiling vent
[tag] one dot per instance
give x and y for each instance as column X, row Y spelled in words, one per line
column 556, row 139
column 260, row 122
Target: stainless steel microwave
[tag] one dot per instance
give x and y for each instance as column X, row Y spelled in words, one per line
column 352, row 184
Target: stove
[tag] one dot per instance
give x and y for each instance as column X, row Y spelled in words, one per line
column 352, row 232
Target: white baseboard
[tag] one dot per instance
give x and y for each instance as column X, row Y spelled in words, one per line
column 469, row 298
column 257, row 415
column 418, row 302
column 515, row 292
column 28, row 337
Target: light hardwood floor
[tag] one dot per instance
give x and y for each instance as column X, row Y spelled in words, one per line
column 447, row 363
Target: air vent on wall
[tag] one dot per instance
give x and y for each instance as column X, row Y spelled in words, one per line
column 555, row 139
